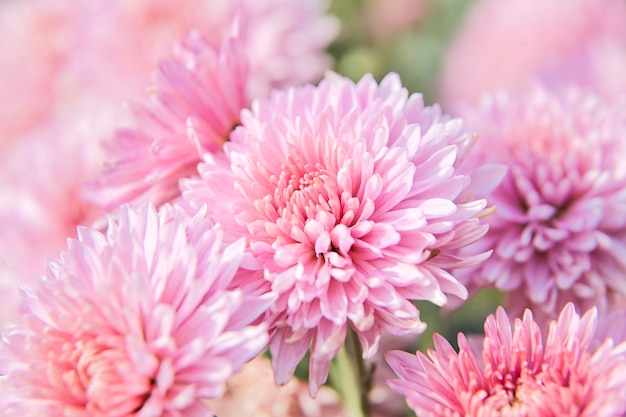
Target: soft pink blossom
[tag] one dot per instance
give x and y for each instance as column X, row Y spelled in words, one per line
column 142, row 321
column 253, row 46
column 558, row 232
column 30, row 61
column 520, row 374
column 41, row 200
column 57, row 50
column 253, row 393
column 351, row 201
column 64, row 73
column 511, row 44
column 197, row 99
column 284, row 39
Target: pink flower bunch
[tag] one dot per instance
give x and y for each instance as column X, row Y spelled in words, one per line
column 250, row 210
column 65, row 72
column 351, row 202
column 520, row 375
column 558, row 229
column 145, row 320
column 511, row 45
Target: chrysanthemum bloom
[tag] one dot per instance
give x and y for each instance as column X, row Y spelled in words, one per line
column 508, row 45
column 138, row 322
column 350, row 200
column 520, row 374
column 198, row 98
column 559, row 227
column 284, row 39
column 63, row 48
column 201, row 92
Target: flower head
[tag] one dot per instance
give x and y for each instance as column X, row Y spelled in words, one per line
column 509, row 45
column 520, row 375
column 200, row 92
column 558, row 228
column 350, row 200
column 284, row 40
column 198, row 97
column 142, row 321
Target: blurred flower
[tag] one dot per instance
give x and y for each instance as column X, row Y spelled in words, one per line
column 140, row 321
column 41, row 200
column 30, row 60
column 387, row 18
column 558, row 231
column 520, row 375
column 284, row 39
column 63, row 49
column 511, row 44
column 350, row 199
column 252, row 393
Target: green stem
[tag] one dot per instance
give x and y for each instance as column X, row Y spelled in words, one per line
column 351, row 378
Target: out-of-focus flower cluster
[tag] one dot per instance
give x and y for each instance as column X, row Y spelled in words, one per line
column 248, row 207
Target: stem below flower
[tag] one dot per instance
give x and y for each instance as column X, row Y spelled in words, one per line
column 351, row 378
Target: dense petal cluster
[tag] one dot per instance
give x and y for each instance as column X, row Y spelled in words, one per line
column 558, row 232
column 350, row 199
column 140, row 321
column 520, row 375
column 509, row 45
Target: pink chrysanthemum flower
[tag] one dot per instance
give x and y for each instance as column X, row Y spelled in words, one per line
column 511, row 44
column 558, row 229
column 140, row 321
column 520, row 375
column 200, row 93
column 60, row 49
column 350, row 199
column 284, row 39
column 198, row 99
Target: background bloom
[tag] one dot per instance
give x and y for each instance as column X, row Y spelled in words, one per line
column 252, row 392
column 558, row 229
column 141, row 321
column 509, row 45
column 61, row 50
column 520, row 374
column 350, row 200
column 41, row 197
